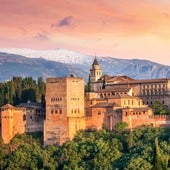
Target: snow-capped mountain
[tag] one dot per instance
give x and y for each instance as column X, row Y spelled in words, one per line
column 12, row 65
column 62, row 62
column 59, row 55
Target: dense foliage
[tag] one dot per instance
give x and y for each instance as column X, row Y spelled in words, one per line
column 146, row 148
column 20, row 90
column 160, row 109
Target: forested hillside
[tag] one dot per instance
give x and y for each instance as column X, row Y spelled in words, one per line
column 142, row 149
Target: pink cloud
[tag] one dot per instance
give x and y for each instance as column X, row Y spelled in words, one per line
column 93, row 25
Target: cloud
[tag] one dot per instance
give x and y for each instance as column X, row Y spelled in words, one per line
column 67, row 21
column 22, row 30
column 41, row 36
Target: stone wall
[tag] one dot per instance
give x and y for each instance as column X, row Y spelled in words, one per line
column 136, row 118
column 160, row 120
column 35, row 114
column 95, row 120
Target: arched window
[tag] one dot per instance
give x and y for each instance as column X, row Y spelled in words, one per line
column 24, row 117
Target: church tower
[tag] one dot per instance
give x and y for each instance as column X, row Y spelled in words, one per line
column 95, row 73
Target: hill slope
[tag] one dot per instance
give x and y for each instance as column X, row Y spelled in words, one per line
column 16, row 65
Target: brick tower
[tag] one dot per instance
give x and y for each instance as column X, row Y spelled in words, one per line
column 64, row 109
column 12, row 121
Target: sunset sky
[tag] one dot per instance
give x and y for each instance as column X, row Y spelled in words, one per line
column 118, row 28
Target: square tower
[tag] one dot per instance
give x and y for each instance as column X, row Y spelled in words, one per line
column 12, row 121
column 64, row 109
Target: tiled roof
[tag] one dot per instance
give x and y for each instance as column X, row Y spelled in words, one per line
column 8, row 106
column 104, row 77
column 103, row 105
column 137, row 109
column 120, row 79
column 141, row 81
column 30, row 105
column 111, row 80
column 116, row 89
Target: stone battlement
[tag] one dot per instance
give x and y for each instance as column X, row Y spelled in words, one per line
column 160, row 117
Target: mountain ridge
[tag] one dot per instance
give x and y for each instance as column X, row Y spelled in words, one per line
column 65, row 54
column 34, row 67
column 70, row 62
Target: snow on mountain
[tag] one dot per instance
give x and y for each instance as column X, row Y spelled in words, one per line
column 12, row 65
column 59, row 55
column 81, row 64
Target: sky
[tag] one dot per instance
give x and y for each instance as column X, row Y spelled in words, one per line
column 118, row 28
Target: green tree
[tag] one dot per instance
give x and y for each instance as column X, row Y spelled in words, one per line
column 130, row 141
column 28, row 95
column 159, row 109
column 18, row 89
column 161, row 162
column 2, row 96
column 121, row 126
column 88, row 85
column 41, row 90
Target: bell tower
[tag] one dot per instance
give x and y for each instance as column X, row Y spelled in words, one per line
column 95, row 72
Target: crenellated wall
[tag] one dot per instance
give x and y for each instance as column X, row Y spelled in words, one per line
column 137, row 118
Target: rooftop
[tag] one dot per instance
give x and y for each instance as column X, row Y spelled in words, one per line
column 95, row 62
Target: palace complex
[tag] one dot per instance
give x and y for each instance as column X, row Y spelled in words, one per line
column 110, row 100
